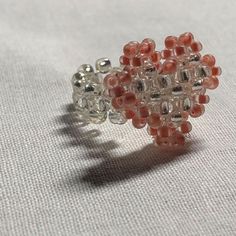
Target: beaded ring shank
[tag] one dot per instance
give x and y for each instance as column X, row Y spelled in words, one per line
column 159, row 90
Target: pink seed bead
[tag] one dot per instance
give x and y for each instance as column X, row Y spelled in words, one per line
column 180, row 51
column 138, row 122
column 136, row 61
column 178, row 139
column 185, row 115
column 143, row 111
column 203, row 99
column 131, row 49
column 162, row 142
column 124, row 77
column 129, row 99
column 197, row 110
column 131, row 70
column 117, row 103
column 116, row 91
column 185, row 127
column 154, row 120
column 186, row 39
column 124, row 60
column 169, row 66
column 170, row 42
column 164, row 131
column 209, row 60
column 211, row 83
column 129, row 114
column 196, row 46
column 166, row 53
column 216, row 70
column 151, row 43
column 111, row 81
column 152, row 131
column 156, row 57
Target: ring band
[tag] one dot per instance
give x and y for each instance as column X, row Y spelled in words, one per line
column 157, row 89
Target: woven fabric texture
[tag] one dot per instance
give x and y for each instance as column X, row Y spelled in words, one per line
column 58, row 177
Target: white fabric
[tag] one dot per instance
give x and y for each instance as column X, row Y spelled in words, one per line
column 61, row 179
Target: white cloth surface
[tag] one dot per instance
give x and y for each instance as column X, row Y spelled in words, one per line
column 61, row 179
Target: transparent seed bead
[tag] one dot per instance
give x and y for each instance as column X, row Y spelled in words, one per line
column 148, row 70
column 165, row 81
column 87, row 69
column 116, row 117
column 166, row 107
column 97, row 117
column 202, row 71
column 185, row 75
column 103, row 65
column 139, row 85
column 78, row 81
column 186, row 104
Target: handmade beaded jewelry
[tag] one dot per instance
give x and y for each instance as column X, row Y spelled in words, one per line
column 157, row 89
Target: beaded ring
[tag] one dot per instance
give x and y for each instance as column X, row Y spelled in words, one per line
column 157, row 89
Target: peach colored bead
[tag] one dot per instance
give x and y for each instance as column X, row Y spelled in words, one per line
column 196, row 46
column 178, row 139
column 171, row 127
column 145, row 48
column 131, row 70
column 185, row 127
column 164, row 131
column 211, row 83
column 129, row 98
column 203, row 99
column 186, row 39
column 117, row 103
column 136, row 61
column 197, row 110
column 116, row 91
column 163, row 142
column 125, row 77
column 131, row 49
column 156, row 57
column 111, row 81
column 185, row 115
column 169, row 66
column 170, row 42
column 179, row 51
column 151, row 43
column 166, row 53
column 216, row 70
column 159, row 67
column 129, row 114
column 124, row 60
column 138, row 122
column 152, row 131
column 154, row 120
column 143, row 111
column 209, row 60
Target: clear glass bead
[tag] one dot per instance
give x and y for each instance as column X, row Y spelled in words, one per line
column 148, row 71
column 197, row 85
column 139, row 86
column 165, row 81
column 202, row 71
column 87, row 69
column 103, row 65
column 155, row 95
column 116, row 117
column 97, row 117
column 185, row 75
column 166, row 108
column 186, row 104
column 177, row 90
column 176, row 117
